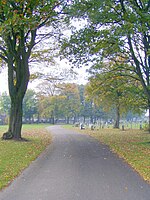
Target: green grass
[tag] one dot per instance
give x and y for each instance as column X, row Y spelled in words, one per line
column 16, row 156
column 132, row 145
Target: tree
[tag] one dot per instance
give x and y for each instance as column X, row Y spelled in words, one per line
column 113, row 91
column 51, row 108
column 21, row 25
column 72, row 100
column 63, row 102
column 86, row 107
column 113, row 28
column 29, row 105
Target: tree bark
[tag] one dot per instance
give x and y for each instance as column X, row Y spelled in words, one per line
column 15, row 122
column 117, row 121
column 18, row 78
column 53, row 119
column 67, row 120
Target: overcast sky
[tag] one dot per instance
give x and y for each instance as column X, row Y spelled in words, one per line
column 81, row 78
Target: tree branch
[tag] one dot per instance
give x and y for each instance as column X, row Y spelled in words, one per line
column 32, row 42
column 137, row 65
column 4, row 58
column 122, row 6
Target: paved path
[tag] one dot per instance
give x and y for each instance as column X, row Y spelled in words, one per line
column 77, row 167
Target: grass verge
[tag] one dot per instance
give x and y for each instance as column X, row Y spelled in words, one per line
column 131, row 145
column 16, row 156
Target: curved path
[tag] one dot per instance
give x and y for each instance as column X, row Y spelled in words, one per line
column 77, row 167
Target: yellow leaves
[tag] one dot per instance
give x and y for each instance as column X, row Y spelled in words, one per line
column 15, row 156
column 4, row 2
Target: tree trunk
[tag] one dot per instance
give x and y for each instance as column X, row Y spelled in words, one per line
column 84, row 118
column 15, row 124
column 18, row 54
column 91, row 119
column 17, row 81
column 15, row 120
column 74, row 119
column 53, row 119
column 67, row 120
column 117, row 121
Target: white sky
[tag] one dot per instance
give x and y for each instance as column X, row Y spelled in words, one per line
column 3, row 81
column 81, row 78
column 82, row 75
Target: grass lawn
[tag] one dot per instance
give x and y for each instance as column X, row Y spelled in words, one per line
column 132, row 145
column 16, row 156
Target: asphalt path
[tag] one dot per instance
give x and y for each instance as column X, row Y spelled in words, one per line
column 77, row 167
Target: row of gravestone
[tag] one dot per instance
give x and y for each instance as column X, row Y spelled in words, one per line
column 92, row 126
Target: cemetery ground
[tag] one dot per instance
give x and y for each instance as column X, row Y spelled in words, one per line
column 16, row 156
column 132, row 145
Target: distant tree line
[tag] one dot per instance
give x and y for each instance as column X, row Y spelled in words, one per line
column 71, row 103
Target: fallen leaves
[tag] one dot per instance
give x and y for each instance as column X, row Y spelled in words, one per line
column 15, row 156
column 132, row 145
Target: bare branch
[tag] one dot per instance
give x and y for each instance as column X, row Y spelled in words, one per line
column 32, row 42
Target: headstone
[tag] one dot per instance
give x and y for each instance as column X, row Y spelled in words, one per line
column 82, row 126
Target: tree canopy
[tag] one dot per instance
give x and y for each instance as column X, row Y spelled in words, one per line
column 114, row 91
column 112, row 29
column 21, row 28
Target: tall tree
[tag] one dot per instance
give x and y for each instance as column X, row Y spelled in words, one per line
column 72, row 100
column 29, row 106
column 86, row 107
column 21, row 28
column 113, row 28
column 114, row 91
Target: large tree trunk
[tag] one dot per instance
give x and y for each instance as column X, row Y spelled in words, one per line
column 17, row 58
column 18, row 78
column 15, row 122
column 15, row 119
column 16, row 113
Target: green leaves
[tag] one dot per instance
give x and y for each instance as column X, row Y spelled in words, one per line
column 113, row 29
column 111, row 86
column 62, row 103
column 20, row 23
